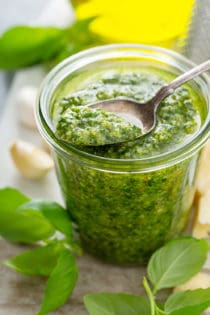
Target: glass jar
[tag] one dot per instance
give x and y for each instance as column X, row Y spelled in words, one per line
column 124, row 209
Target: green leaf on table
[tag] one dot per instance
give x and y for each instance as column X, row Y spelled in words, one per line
column 11, row 198
column 53, row 212
column 80, row 32
column 36, row 262
column 60, row 284
column 177, row 262
column 116, row 304
column 23, row 46
column 188, row 302
column 79, row 37
column 21, row 227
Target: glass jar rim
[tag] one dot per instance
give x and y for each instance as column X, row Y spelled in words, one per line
column 76, row 62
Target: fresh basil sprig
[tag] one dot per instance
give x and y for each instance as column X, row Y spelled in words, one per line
column 23, row 46
column 21, row 227
column 171, row 265
column 174, row 264
column 116, row 304
column 188, row 302
column 29, row 221
column 60, row 284
column 36, row 262
column 53, row 212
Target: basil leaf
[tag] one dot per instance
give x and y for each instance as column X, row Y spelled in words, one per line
column 23, row 45
column 116, row 304
column 188, row 302
column 177, row 262
column 80, row 33
column 21, row 227
column 10, row 199
column 36, row 262
column 53, row 212
column 75, row 247
column 79, row 37
column 60, row 284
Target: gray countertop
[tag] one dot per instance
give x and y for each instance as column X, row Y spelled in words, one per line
column 14, row 12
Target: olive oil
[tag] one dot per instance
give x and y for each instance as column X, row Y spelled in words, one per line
column 156, row 22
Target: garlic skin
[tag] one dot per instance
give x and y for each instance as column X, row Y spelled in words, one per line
column 26, row 102
column 30, row 161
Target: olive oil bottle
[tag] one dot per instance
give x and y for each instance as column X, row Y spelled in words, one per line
column 153, row 22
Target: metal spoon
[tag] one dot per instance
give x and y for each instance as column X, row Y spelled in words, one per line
column 145, row 113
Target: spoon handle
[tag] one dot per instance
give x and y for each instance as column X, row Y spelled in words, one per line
column 187, row 76
column 194, row 72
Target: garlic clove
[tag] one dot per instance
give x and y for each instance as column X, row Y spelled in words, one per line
column 31, row 162
column 26, row 102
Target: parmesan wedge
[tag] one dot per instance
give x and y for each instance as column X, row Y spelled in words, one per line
column 201, row 230
column 201, row 280
column 203, row 178
column 204, row 208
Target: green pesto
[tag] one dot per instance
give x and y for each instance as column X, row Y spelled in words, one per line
column 178, row 118
column 124, row 216
column 83, row 126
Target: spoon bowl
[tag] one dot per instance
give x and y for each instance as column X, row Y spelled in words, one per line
column 140, row 114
